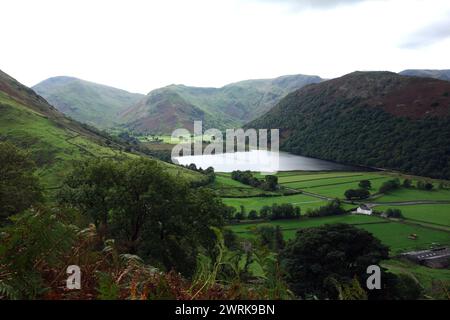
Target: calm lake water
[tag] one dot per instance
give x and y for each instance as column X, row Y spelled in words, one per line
column 260, row 160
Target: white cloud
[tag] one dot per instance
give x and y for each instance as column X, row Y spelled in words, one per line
column 140, row 45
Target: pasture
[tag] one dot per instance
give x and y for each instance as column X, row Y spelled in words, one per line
column 256, row 203
column 393, row 234
column 435, row 214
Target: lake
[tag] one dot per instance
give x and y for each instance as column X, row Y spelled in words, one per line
column 261, row 160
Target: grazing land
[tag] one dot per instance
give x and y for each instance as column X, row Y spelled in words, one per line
column 435, row 214
column 430, row 221
column 256, row 203
column 393, row 234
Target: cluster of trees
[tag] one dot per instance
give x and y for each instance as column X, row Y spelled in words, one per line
column 273, row 212
column 422, row 185
column 208, row 172
column 365, row 184
column 358, row 194
column 330, row 262
column 390, row 185
column 394, row 213
column 270, row 183
column 271, row 237
column 146, row 210
column 331, row 209
column 279, row 212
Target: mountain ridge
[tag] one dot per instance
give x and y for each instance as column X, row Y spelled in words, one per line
column 229, row 106
column 427, row 73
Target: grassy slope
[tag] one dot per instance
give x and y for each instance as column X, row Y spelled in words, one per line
column 85, row 101
column 433, row 280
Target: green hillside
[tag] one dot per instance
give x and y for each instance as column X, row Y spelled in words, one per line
column 377, row 119
column 87, row 102
column 55, row 141
column 175, row 106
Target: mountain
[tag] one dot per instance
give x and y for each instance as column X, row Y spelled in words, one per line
column 175, row 106
column 436, row 74
column 87, row 102
column 377, row 119
column 54, row 141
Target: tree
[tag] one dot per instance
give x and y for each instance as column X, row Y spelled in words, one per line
column 359, row 194
column 147, row 211
column 408, row 288
column 320, row 256
column 390, row 185
column 365, row 184
column 253, row 215
column 265, row 212
column 270, row 182
column 330, row 209
column 91, row 188
column 394, row 213
column 271, row 237
column 19, row 187
column 428, row 186
column 407, row 183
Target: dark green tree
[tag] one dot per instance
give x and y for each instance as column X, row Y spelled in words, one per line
column 319, row 257
column 19, row 187
column 358, row 194
column 92, row 189
column 407, row 183
column 365, row 184
column 252, row 215
column 147, row 211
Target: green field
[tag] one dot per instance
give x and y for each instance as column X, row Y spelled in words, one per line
column 224, row 186
column 437, row 213
column 415, row 195
column 393, row 234
column 333, row 186
column 428, row 222
column 256, row 203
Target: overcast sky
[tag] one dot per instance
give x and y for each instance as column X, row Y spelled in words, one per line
column 140, row 45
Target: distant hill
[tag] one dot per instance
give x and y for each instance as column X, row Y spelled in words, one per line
column 55, row 141
column 87, row 102
column 436, row 74
column 175, row 106
column 377, row 119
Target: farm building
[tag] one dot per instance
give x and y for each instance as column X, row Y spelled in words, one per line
column 364, row 209
column 436, row 258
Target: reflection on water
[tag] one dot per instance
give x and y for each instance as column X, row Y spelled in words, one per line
column 261, row 160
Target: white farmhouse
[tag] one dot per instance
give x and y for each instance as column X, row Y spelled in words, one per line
column 364, row 209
